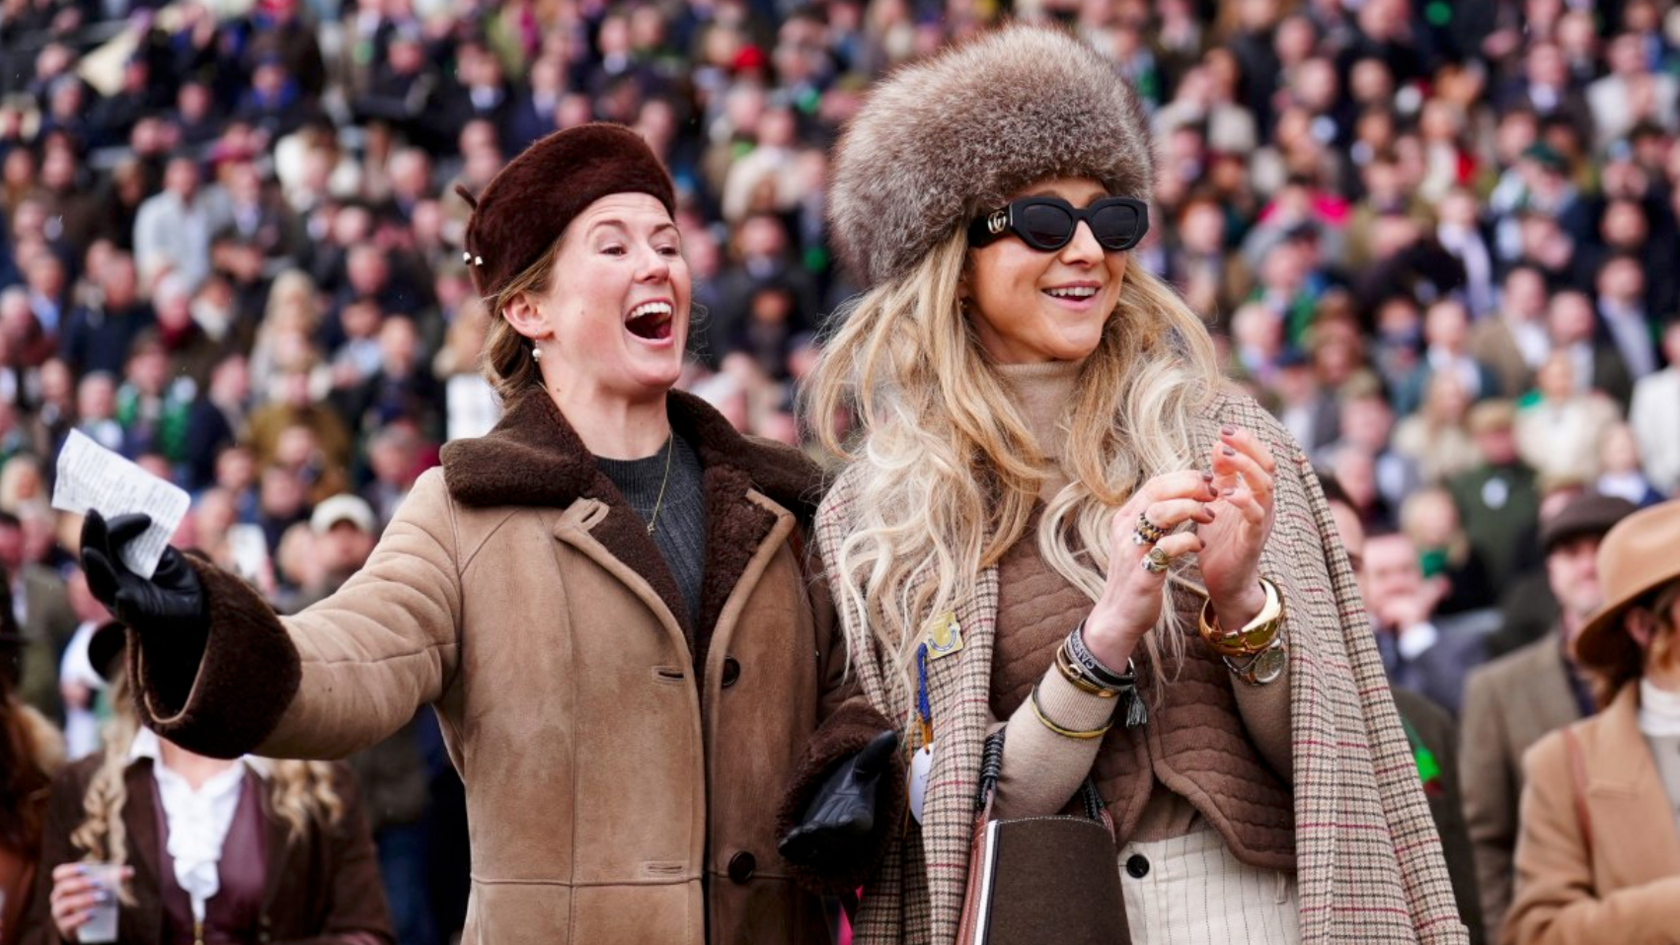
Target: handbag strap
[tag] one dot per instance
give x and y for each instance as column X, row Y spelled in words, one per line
column 1578, row 785
column 991, row 767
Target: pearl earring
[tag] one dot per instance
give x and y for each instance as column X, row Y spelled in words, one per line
column 536, row 353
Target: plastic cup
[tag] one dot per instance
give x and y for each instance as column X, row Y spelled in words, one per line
column 101, row 925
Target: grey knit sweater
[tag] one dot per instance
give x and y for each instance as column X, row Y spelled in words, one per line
column 680, row 530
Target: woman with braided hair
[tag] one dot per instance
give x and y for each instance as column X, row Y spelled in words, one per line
column 209, row 850
column 1057, row 520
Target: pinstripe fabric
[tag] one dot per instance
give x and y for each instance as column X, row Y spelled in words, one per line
column 1368, row 861
column 1196, row 892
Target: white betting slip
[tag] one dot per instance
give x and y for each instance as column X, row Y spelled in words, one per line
column 92, row 477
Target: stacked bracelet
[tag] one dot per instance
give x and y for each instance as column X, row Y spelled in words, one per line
column 1087, row 661
column 1064, row 732
column 1253, row 637
column 1082, row 668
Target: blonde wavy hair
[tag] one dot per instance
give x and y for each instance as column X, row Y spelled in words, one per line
column 300, row 793
column 945, row 467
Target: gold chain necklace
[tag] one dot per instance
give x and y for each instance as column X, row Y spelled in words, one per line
column 654, row 519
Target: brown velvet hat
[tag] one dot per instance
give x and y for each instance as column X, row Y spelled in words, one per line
column 527, row 205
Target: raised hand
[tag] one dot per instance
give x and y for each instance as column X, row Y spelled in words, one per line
column 1230, row 559
column 171, row 597
column 1131, row 600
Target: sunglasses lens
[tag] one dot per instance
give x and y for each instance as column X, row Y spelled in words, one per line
column 1046, row 226
column 1117, row 226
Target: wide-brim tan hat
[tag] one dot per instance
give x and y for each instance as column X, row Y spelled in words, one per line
column 1640, row 554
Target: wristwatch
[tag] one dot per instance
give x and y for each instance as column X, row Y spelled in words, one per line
column 1263, row 667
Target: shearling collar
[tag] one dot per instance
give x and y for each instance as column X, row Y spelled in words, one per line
column 534, row 457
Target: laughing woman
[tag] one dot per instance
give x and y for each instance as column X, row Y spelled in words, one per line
column 1057, row 518
column 602, row 599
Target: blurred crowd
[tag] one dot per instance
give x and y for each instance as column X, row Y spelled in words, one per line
column 1439, row 239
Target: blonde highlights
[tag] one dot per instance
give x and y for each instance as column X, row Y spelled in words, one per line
column 300, row 793
column 945, row 467
column 506, row 361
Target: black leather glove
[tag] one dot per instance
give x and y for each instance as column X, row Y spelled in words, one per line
column 842, row 814
column 171, row 600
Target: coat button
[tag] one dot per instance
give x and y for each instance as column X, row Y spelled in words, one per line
column 741, row 866
column 731, row 671
column 1137, row 866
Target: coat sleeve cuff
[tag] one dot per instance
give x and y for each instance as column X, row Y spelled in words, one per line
column 844, row 734
column 221, row 692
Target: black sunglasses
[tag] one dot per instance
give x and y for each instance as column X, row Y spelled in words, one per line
column 1048, row 223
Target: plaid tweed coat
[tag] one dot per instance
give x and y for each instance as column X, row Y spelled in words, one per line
column 1368, row 860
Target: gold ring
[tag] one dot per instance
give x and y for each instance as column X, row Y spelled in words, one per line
column 1156, row 561
column 1147, row 532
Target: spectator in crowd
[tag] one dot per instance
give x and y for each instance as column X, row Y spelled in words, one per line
column 1446, row 339
column 1437, row 438
column 40, row 605
column 172, row 230
column 30, row 752
column 209, row 849
column 1621, row 471
column 1598, row 850
column 1421, row 651
column 1655, row 417
column 1497, row 500
column 1595, row 363
column 1514, row 341
column 1514, row 700
column 1558, row 432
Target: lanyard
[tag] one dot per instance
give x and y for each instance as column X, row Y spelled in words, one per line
column 924, row 707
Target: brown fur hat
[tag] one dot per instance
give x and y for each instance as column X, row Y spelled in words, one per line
column 948, row 138
column 527, row 205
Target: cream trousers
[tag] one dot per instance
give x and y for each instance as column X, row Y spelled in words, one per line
column 1192, row 890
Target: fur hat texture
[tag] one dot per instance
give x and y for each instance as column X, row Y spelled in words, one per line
column 527, row 205
column 948, row 138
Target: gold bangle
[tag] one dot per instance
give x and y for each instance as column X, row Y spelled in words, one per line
column 1079, row 680
column 1254, row 636
column 1064, row 732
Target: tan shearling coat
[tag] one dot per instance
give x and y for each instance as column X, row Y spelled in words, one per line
column 1614, row 874
column 609, row 797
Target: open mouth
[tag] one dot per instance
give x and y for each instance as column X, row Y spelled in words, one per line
column 650, row 321
column 1073, row 293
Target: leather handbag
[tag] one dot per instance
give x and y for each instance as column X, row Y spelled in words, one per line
column 1041, row 879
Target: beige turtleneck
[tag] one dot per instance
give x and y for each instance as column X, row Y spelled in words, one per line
column 1041, row 770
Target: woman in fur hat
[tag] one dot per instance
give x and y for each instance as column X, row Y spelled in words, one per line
column 1598, row 855
column 1057, row 517
column 604, row 599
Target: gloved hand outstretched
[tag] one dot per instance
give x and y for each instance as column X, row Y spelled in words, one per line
column 842, row 815
column 172, row 599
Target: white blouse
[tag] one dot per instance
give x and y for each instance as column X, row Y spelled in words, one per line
column 198, row 819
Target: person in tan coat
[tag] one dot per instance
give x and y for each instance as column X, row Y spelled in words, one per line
column 1512, row 702
column 605, row 599
column 1598, row 855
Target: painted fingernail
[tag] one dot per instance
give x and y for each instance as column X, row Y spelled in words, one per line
column 1207, row 476
column 1228, row 431
column 1209, row 512
column 1228, row 451
column 1230, row 491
